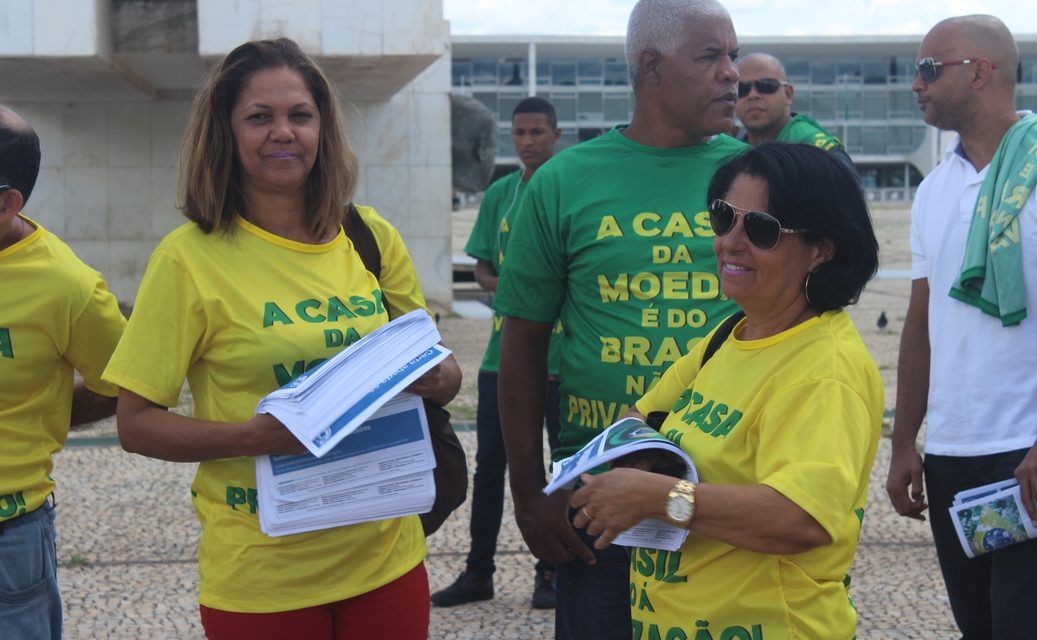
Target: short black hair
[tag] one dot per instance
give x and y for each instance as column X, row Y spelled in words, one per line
column 537, row 105
column 19, row 157
column 809, row 189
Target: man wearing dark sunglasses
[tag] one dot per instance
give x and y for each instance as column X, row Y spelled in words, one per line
column 56, row 316
column 613, row 237
column 765, row 108
column 968, row 350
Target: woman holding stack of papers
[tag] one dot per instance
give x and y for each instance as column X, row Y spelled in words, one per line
column 782, row 422
column 260, row 286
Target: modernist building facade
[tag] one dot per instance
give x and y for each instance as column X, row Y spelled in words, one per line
column 108, row 86
column 859, row 88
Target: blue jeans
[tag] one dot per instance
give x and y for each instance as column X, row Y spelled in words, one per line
column 491, row 462
column 593, row 601
column 992, row 596
column 30, row 605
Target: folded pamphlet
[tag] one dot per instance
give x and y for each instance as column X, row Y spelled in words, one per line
column 629, row 435
column 369, row 452
column 991, row 517
column 327, row 403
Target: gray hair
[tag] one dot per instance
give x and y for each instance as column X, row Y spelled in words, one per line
column 658, row 25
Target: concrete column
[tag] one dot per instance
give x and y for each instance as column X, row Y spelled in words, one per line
column 531, row 65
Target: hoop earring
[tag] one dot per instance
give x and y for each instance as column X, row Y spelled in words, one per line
column 806, row 288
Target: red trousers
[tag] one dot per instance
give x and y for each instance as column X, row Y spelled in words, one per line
column 398, row 610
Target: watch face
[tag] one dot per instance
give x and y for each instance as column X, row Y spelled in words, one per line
column 678, row 508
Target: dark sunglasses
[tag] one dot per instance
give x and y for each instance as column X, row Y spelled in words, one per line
column 762, row 229
column 928, row 68
column 764, row 86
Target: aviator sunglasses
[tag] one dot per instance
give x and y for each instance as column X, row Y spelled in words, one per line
column 762, row 229
column 764, row 86
column 928, row 68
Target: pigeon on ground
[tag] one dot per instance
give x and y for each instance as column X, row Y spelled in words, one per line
column 883, row 321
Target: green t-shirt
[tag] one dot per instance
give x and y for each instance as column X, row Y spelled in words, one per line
column 613, row 237
column 487, row 242
column 806, row 130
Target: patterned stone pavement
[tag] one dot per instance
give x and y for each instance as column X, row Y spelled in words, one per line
column 127, row 543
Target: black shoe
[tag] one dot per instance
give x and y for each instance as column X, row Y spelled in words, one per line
column 469, row 587
column 544, row 589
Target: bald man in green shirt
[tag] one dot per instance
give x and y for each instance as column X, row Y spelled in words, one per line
column 765, row 108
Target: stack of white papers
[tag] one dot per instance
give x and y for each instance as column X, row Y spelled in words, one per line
column 990, row 517
column 383, row 469
column 326, row 404
column 627, row 436
column 370, row 456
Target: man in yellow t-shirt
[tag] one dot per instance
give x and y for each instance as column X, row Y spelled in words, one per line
column 57, row 317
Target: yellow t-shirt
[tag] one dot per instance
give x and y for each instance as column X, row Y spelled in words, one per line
column 799, row 412
column 239, row 315
column 56, row 316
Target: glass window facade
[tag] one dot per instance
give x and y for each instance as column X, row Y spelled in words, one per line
column 616, row 73
column 506, row 103
column 589, row 106
column 563, row 73
column 512, row 73
column 864, row 100
column 1028, row 71
column 484, row 72
column 590, row 72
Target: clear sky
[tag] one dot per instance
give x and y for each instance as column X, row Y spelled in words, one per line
column 751, row 17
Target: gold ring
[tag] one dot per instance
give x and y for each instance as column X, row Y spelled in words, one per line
column 584, row 511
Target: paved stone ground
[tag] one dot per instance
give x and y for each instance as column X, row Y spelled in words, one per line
column 127, row 534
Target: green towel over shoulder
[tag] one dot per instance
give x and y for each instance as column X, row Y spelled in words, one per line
column 992, row 270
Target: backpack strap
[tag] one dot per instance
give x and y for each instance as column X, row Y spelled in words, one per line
column 451, row 472
column 720, row 335
column 363, row 240
column 655, row 419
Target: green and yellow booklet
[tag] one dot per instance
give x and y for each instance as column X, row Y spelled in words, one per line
column 990, row 517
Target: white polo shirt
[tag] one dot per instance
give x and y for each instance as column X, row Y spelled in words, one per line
column 983, row 376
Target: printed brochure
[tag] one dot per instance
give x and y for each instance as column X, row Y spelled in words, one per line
column 629, row 435
column 327, row 403
column 382, row 469
column 990, row 517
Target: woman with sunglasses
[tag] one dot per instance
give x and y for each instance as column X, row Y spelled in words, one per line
column 782, row 421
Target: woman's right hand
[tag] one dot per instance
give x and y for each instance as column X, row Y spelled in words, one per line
column 266, row 435
column 149, row 429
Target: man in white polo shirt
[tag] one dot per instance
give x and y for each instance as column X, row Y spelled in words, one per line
column 968, row 352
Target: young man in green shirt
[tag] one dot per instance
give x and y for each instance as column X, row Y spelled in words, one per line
column 534, row 130
column 765, row 108
column 613, row 238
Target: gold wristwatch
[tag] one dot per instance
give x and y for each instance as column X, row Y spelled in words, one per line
column 680, row 503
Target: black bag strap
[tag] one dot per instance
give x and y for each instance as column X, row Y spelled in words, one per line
column 655, row 419
column 363, row 240
column 451, row 472
column 720, row 335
